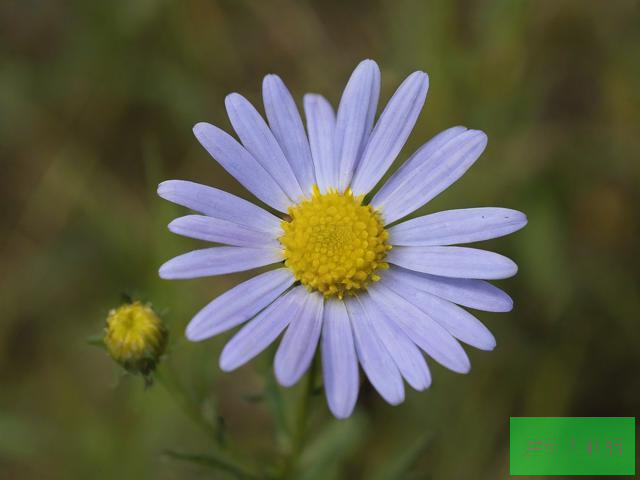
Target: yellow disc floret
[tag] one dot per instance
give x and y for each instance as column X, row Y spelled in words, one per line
column 334, row 244
column 135, row 337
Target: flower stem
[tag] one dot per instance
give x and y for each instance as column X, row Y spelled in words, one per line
column 189, row 408
column 301, row 423
column 221, row 456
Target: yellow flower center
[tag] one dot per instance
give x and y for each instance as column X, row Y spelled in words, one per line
column 134, row 332
column 334, row 244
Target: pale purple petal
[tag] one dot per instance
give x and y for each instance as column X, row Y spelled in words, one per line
column 218, row 204
column 409, row 359
column 456, row 320
column 321, row 125
column 391, row 132
column 376, row 361
column 401, row 176
column 457, row 226
column 355, row 118
column 458, row 262
column 425, row 332
column 215, row 230
column 339, row 359
column 258, row 139
column 468, row 292
column 241, row 165
column 432, row 169
column 239, row 304
column 286, row 125
column 260, row 332
column 218, row 260
column 300, row 341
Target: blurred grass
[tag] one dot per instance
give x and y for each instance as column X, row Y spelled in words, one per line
column 97, row 100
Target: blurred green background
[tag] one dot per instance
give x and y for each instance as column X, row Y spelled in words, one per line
column 97, row 101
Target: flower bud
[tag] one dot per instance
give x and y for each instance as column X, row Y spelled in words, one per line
column 135, row 337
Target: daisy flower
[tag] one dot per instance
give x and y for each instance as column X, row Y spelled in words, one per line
column 371, row 291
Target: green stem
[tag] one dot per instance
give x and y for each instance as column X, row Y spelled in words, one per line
column 301, row 423
column 220, row 455
column 191, row 410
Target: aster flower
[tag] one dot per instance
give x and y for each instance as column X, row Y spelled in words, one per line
column 369, row 290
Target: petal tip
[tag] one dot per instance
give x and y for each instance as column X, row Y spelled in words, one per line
column 200, row 126
column 480, row 137
column 164, row 272
column 163, row 188
column 507, row 305
column 368, row 67
column 191, row 333
column 341, row 412
column 284, row 378
column 395, row 400
column 465, row 368
column 270, row 78
column 311, row 97
column 503, row 304
column 368, row 62
column 225, row 363
column 174, row 224
column 201, row 130
column 232, row 99
column 420, row 76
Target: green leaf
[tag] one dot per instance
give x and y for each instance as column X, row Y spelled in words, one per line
column 96, row 340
